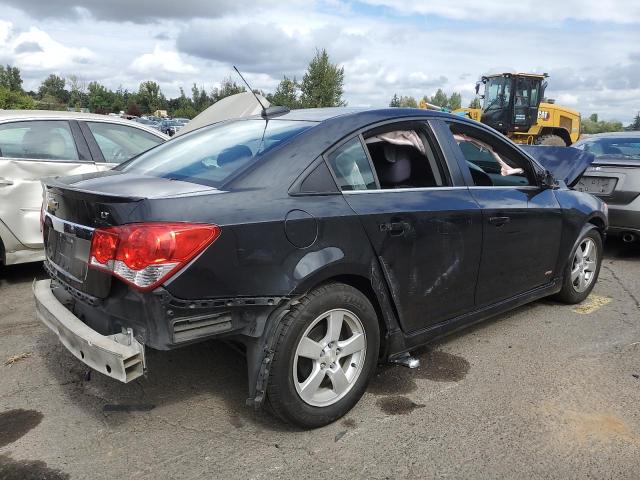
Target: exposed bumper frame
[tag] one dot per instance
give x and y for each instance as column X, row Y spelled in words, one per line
column 118, row 356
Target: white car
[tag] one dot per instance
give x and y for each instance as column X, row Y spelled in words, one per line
column 39, row 144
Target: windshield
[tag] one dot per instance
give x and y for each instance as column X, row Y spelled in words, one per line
column 211, row 155
column 497, row 93
column 619, row 147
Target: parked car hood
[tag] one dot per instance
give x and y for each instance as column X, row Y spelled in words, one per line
column 565, row 163
column 114, row 183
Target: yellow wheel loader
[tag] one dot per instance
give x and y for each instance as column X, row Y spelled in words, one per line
column 512, row 104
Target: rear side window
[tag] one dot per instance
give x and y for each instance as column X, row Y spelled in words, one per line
column 351, row 166
column 211, row 155
column 119, row 143
column 42, row 140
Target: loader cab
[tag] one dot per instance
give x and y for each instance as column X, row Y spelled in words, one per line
column 511, row 101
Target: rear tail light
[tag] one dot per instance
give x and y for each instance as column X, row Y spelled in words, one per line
column 146, row 254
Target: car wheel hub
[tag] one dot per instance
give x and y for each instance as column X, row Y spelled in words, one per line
column 329, row 357
column 583, row 269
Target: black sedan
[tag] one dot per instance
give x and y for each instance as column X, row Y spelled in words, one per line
column 614, row 176
column 325, row 241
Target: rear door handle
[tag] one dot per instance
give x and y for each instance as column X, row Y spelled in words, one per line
column 4, row 182
column 499, row 221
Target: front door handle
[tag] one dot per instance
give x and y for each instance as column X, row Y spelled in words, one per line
column 499, row 221
column 5, row 183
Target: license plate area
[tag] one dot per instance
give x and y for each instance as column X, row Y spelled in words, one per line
column 68, row 254
column 597, row 185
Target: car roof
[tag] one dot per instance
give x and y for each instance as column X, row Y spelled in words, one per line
column 626, row 134
column 322, row 114
column 9, row 115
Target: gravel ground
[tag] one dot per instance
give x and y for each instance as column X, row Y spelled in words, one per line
column 546, row 391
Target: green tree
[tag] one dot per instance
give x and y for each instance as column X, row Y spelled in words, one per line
column 455, row 101
column 440, row 99
column 227, row 88
column 593, row 125
column 77, row 92
column 100, row 99
column 199, row 98
column 407, row 102
column 636, row 123
column 286, row 95
column 150, row 97
column 10, row 78
column 322, row 84
column 52, row 88
column 395, row 101
column 475, row 103
column 10, row 99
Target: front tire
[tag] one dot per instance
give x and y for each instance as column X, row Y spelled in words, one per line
column 583, row 268
column 325, row 354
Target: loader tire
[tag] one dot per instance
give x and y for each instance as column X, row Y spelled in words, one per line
column 554, row 140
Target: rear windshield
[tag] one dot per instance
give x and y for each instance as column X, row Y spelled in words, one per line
column 212, row 155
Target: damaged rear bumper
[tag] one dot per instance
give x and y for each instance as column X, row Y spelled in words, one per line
column 118, row 356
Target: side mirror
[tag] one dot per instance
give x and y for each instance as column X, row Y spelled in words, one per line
column 547, row 180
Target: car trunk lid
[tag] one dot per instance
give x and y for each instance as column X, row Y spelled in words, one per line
column 75, row 206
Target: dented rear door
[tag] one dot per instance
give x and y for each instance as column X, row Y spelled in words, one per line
column 29, row 151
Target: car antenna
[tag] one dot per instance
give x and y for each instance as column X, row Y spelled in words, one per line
column 266, row 112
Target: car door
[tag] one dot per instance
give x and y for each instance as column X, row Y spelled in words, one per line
column 114, row 143
column 31, row 150
column 521, row 220
column 426, row 232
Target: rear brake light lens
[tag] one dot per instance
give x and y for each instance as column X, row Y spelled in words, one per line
column 146, row 254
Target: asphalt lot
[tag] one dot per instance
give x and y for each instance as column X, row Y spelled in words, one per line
column 546, row 391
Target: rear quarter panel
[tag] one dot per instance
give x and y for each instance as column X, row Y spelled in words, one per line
column 254, row 256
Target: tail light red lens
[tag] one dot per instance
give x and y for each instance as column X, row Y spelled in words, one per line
column 147, row 254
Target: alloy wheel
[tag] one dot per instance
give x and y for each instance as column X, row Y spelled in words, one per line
column 329, row 357
column 585, row 263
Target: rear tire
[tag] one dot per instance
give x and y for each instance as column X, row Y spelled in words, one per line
column 325, row 353
column 583, row 268
column 555, row 140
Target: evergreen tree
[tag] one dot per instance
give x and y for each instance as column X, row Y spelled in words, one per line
column 636, row 123
column 322, row 84
column 395, row 101
column 455, row 101
column 286, row 95
column 440, row 99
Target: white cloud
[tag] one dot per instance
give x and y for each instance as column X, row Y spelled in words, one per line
column 522, row 11
column 36, row 50
column 162, row 61
column 594, row 66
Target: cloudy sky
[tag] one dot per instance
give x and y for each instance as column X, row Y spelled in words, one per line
column 591, row 48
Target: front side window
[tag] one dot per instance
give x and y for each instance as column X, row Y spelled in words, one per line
column 211, row 155
column 490, row 162
column 119, row 143
column 43, row 140
column 351, row 166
